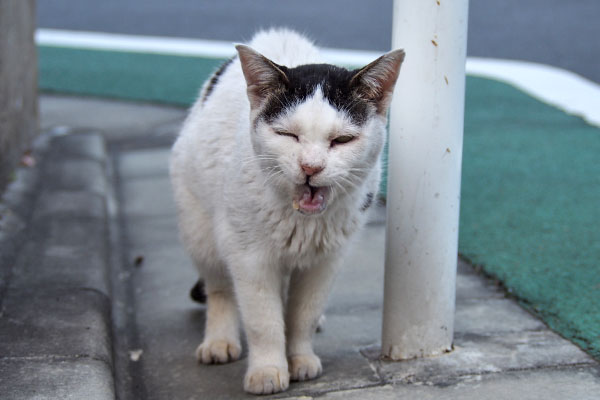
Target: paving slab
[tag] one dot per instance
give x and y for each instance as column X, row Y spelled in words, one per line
column 76, row 174
column 71, row 204
column 84, row 144
column 141, row 198
column 64, row 252
column 55, row 323
column 576, row 383
column 493, row 316
column 144, row 163
column 52, row 378
column 115, row 119
column 480, row 355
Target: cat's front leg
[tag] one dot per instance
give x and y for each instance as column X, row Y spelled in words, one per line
column 258, row 288
column 221, row 342
column 308, row 293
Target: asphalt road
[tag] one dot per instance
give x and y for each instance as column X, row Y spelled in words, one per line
column 555, row 32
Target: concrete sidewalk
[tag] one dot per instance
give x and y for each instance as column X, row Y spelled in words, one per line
column 94, row 290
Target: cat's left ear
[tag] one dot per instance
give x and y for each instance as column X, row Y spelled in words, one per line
column 376, row 81
column 263, row 76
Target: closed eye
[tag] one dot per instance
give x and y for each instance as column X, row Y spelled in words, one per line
column 342, row 139
column 286, row 133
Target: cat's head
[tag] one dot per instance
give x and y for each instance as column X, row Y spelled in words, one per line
column 317, row 130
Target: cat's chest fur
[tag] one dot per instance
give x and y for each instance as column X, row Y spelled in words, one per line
column 312, row 237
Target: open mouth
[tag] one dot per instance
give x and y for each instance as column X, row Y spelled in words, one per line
column 310, row 199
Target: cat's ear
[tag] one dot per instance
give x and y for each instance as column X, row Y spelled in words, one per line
column 376, row 81
column 263, row 76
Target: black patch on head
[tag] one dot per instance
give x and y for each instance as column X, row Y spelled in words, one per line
column 302, row 83
column 215, row 78
column 368, row 202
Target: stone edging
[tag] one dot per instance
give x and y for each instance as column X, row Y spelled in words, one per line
column 55, row 322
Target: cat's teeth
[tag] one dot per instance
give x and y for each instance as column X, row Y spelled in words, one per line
column 307, row 195
column 295, row 205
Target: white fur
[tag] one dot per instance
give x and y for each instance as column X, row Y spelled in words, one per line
column 234, row 190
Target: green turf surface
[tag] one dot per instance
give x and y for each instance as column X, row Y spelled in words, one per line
column 530, row 189
column 530, row 207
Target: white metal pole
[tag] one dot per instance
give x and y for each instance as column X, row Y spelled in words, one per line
column 425, row 155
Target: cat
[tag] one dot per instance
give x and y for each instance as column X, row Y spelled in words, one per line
column 272, row 173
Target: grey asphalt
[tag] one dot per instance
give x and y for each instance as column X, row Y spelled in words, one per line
column 94, row 289
column 561, row 33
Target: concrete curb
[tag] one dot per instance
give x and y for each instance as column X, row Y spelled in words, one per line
column 55, row 322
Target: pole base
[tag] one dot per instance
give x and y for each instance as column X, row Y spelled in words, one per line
column 401, row 353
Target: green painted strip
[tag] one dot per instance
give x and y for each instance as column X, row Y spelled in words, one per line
column 132, row 76
column 530, row 187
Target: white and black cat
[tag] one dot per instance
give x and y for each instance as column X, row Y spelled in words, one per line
column 272, row 173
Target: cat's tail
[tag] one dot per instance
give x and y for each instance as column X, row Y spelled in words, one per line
column 197, row 293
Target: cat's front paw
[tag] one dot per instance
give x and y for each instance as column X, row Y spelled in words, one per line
column 304, row 367
column 218, row 351
column 266, row 380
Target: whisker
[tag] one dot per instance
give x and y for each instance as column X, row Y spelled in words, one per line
column 339, row 185
column 348, row 181
column 333, row 191
column 257, row 159
column 272, row 178
column 272, row 175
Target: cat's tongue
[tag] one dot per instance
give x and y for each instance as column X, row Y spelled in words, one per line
column 310, row 199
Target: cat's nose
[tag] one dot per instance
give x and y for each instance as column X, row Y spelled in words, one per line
column 311, row 170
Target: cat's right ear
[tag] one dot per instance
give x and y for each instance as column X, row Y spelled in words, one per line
column 263, row 76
